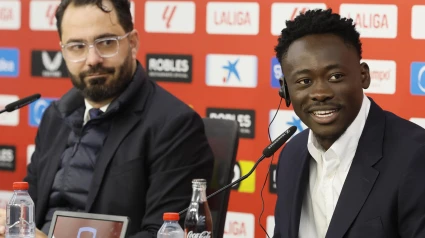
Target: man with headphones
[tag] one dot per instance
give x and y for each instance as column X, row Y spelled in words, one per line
column 357, row 171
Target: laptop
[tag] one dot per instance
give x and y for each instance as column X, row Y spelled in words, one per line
column 87, row 225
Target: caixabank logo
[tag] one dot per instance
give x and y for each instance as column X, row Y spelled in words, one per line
column 245, row 118
column 169, row 68
column 242, row 167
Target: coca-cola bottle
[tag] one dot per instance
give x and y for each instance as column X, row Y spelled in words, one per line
column 198, row 221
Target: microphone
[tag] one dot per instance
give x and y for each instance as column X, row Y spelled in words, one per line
column 267, row 152
column 20, row 103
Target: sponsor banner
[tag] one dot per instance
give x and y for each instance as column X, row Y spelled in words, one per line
column 239, row 224
column 9, row 118
column 417, row 78
column 238, row 71
column 270, row 226
column 272, row 179
column 233, row 18
column 30, row 151
column 169, row 68
column 276, row 73
column 42, row 15
column 36, row 110
column 242, row 167
column 48, row 64
column 372, row 20
column 5, row 196
column 418, row 18
column 7, row 157
column 281, row 12
column 283, row 120
column 382, row 76
column 9, row 62
column 170, row 17
column 245, row 118
column 418, row 121
column 10, row 15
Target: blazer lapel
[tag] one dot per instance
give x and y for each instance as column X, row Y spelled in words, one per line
column 120, row 127
column 133, row 103
column 362, row 175
column 301, row 181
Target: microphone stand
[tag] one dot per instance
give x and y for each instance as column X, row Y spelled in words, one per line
column 231, row 184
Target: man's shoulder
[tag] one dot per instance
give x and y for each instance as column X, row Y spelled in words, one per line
column 403, row 131
column 162, row 98
column 166, row 107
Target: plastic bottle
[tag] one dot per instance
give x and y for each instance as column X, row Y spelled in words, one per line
column 20, row 213
column 171, row 227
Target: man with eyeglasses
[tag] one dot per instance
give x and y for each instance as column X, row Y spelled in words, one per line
column 117, row 143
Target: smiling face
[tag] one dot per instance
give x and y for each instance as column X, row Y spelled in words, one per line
column 325, row 83
column 98, row 78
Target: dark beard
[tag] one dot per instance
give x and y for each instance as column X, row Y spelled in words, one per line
column 98, row 90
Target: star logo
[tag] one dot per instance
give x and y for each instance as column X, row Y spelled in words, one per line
column 296, row 122
column 231, row 68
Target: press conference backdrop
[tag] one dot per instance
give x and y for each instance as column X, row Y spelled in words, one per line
column 217, row 57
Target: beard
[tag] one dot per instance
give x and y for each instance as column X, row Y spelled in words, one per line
column 98, row 89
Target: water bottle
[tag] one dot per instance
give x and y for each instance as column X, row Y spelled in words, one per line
column 171, row 227
column 198, row 222
column 20, row 213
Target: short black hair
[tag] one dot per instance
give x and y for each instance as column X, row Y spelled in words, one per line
column 318, row 21
column 122, row 7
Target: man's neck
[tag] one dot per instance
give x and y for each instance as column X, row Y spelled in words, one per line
column 99, row 104
column 325, row 143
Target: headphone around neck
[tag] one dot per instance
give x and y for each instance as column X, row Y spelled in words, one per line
column 283, row 91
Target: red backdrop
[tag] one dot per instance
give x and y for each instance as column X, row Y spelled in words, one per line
column 389, row 37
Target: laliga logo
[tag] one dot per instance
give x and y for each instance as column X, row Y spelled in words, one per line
column 420, row 74
column 206, row 234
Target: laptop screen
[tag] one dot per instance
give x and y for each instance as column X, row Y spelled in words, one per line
column 79, row 227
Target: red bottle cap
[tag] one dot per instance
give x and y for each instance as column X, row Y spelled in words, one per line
column 171, row 216
column 20, row 186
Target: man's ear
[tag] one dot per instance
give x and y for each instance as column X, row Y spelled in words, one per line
column 365, row 75
column 134, row 43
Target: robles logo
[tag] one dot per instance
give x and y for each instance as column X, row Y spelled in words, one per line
column 169, row 68
column 7, row 157
column 245, row 118
column 206, row 234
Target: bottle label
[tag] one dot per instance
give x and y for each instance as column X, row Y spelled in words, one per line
column 204, row 234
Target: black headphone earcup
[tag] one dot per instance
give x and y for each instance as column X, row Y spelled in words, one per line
column 283, row 93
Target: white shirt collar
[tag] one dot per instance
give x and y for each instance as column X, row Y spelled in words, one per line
column 347, row 143
column 88, row 107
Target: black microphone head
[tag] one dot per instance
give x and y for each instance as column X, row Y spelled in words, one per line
column 278, row 142
column 21, row 102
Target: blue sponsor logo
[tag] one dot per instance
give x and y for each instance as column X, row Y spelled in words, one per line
column 37, row 109
column 417, row 78
column 276, row 73
column 9, row 62
column 230, row 67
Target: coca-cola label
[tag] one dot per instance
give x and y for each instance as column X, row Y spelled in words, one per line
column 204, row 234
